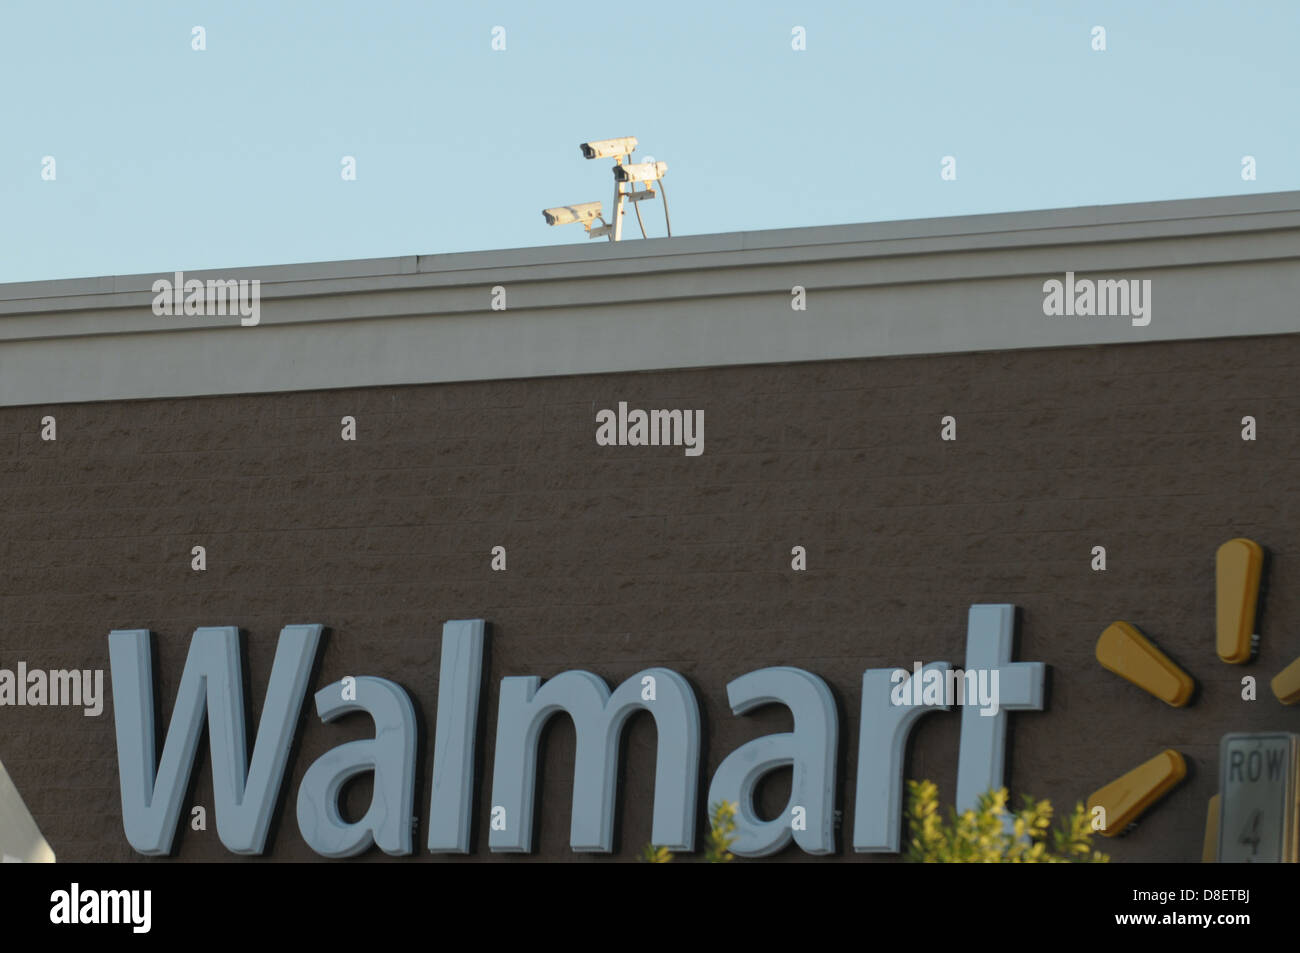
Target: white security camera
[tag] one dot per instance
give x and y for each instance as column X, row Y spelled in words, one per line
column 640, row 172
column 568, row 214
column 608, row 148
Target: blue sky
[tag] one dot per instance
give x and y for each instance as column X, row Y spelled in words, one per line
column 168, row 158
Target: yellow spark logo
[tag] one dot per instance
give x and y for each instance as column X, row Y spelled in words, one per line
column 1124, row 650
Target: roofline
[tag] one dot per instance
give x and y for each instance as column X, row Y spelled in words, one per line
column 1223, row 266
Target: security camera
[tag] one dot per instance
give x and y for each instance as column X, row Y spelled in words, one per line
column 608, row 148
column 640, row 172
column 568, row 214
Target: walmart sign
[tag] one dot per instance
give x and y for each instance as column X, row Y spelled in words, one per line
column 245, row 790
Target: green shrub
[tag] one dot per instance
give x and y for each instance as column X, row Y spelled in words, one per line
column 991, row 835
column 722, row 831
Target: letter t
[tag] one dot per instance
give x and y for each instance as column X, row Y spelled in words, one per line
column 981, row 759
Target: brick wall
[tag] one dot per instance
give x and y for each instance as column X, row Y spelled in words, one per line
column 625, row 557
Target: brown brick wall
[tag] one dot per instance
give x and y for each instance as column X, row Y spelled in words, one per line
column 625, row 557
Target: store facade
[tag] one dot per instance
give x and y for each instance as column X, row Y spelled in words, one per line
column 816, row 453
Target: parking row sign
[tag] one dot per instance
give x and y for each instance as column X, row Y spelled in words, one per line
column 1257, row 784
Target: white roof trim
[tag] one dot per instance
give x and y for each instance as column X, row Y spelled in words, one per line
column 1219, row 267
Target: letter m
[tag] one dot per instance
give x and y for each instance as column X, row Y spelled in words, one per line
column 1112, row 297
column 212, row 681
column 666, row 428
column 220, row 292
column 117, row 906
column 598, row 721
